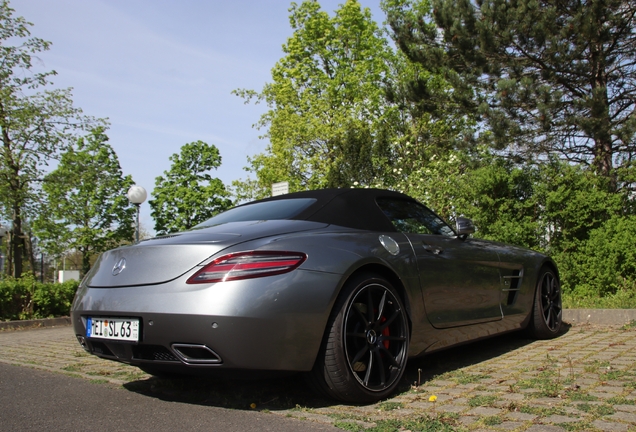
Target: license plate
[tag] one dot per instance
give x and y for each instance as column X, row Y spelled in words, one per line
column 122, row 329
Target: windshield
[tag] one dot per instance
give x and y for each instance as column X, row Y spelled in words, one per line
column 266, row 210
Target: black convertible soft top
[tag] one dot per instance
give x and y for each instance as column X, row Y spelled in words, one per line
column 352, row 208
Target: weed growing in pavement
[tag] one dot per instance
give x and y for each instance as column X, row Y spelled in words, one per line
column 73, row 368
column 390, row 406
column 123, row 375
column 347, row 416
column 462, row 377
column 570, row 363
column 541, row 411
column 422, row 424
column 596, row 410
column 547, row 382
column 349, row 426
column 580, row 396
column 482, row 400
column 576, row 426
column 616, row 374
column 630, row 325
column 620, row 400
column 630, row 385
column 592, row 367
column 492, row 420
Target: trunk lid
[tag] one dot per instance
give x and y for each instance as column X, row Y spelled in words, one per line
column 162, row 259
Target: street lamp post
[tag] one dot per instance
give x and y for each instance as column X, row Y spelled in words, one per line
column 137, row 195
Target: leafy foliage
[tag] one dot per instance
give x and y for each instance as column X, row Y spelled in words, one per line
column 34, row 126
column 327, row 122
column 606, row 262
column 187, row 195
column 86, row 206
column 25, row 298
column 548, row 76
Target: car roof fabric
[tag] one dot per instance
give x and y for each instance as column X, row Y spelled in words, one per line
column 352, row 208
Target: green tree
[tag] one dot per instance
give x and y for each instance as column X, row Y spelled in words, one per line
column 34, row 127
column 86, row 206
column 328, row 122
column 548, row 76
column 187, row 195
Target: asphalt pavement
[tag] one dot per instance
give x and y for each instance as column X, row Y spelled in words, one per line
column 37, row 400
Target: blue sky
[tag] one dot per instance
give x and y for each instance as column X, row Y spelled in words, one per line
column 162, row 72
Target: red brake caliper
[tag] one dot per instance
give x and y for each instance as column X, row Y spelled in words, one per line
column 385, row 332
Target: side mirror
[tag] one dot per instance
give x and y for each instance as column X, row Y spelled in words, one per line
column 465, row 226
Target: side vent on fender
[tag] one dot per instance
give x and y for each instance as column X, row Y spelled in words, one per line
column 512, row 285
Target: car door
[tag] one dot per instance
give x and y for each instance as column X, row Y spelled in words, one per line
column 459, row 277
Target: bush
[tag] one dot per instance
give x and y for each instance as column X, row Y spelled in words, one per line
column 26, row 298
column 605, row 264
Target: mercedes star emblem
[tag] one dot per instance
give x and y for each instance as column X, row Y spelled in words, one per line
column 119, row 266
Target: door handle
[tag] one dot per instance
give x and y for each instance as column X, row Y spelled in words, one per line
column 432, row 249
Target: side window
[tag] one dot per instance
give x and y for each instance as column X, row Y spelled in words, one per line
column 413, row 217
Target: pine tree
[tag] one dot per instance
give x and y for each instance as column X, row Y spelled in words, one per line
column 548, row 76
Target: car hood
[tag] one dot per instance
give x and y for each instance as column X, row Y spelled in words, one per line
column 165, row 258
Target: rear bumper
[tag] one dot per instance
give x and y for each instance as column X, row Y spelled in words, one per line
column 274, row 323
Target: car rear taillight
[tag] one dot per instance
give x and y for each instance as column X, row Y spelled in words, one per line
column 246, row 265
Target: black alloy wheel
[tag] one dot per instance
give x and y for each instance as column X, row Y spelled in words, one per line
column 367, row 343
column 548, row 310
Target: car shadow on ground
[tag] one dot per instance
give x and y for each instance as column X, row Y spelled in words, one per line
column 290, row 392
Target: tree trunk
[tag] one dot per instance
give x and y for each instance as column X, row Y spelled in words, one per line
column 28, row 242
column 600, row 125
column 8, row 270
column 17, row 243
column 86, row 261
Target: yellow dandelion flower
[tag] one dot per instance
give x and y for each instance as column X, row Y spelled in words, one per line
column 433, row 398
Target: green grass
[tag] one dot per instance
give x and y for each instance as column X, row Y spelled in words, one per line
column 575, row 426
column 482, row 400
column 623, row 299
column 629, row 325
column 596, row 410
column 620, row 400
column 579, row 396
column 548, row 383
column 390, row 406
column 462, row 377
column 541, row 411
column 492, row 420
column 421, row 424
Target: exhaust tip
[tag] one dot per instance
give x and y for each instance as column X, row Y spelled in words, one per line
column 82, row 342
column 196, row 354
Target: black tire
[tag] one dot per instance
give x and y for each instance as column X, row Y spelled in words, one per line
column 547, row 312
column 365, row 349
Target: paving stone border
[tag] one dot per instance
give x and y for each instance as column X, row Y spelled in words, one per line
column 46, row 322
column 599, row 316
column 572, row 316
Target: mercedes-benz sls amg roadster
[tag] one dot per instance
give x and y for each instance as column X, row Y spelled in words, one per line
column 343, row 284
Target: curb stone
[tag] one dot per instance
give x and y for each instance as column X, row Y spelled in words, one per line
column 46, row 322
column 599, row 316
column 571, row 316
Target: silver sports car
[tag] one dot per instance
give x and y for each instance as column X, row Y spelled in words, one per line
column 343, row 284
